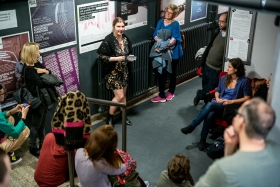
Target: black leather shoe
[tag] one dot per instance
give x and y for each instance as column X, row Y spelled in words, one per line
column 34, row 151
column 128, row 122
column 202, row 144
column 195, row 101
column 187, row 130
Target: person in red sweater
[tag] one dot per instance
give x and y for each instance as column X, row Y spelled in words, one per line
column 52, row 166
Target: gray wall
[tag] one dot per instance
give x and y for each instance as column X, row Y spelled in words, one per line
column 263, row 61
column 273, row 97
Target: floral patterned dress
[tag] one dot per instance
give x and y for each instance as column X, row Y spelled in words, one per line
column 118, row 77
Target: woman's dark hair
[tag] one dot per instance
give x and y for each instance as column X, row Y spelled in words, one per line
column 178, row 168
column 102, row 144
column 237, row 64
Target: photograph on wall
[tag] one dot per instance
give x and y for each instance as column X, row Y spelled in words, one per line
column 64, row 64
column 181, row 5
column 94, row 23
column 133, row 15
column 9, row 56
column 239, row 34
column 52, row 23
column 222, row 9
column 198, row 10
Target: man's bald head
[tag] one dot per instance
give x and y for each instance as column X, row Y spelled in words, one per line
column 259, row 118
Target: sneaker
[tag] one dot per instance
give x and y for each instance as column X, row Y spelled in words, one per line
column 146, row 183
column 15, row 160
column 158, row 99
column 170, row 96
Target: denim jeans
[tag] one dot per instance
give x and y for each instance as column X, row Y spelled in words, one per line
column 207, row 114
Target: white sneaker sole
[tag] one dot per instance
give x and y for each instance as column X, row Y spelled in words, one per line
column 170, row 98
column 16, row 162
column 160, row 101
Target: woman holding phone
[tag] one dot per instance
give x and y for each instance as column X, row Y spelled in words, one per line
column 116, row 53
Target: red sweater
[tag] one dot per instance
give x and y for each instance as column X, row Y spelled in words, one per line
column 52, row 166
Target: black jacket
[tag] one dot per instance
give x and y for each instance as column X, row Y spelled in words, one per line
column 108, row 48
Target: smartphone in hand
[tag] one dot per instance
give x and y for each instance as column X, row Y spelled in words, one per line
column 25, row 105
column 131, row 57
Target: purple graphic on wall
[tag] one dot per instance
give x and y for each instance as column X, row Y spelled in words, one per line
column 64, row 64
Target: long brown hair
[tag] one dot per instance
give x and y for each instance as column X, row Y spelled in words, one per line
column 102, row 144
column 237, row 64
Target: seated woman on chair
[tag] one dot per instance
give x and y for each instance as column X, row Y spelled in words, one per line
column 234, row 88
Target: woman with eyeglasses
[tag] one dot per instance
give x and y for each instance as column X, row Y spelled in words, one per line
column 174, row 46
column 233, row 88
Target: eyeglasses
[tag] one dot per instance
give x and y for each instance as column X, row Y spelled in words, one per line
column 169, row 12
column 221, row 21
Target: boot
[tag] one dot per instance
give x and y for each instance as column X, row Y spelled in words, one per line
column 127, row 121
column 187, row 129
column 202, row 144
column 109, row 120
column 33, row 149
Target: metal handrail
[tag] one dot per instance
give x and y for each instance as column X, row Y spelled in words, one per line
column 112, row 103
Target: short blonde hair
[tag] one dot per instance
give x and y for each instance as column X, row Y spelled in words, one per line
column 29, row 52
column 174, row 8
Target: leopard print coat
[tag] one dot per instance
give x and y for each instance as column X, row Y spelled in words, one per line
column 71, row 123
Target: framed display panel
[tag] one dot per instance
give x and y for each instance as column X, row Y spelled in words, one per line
column 240, row 34
column 52, row 23
column 222, row 9
column 133, row 15
column 10, row 47
column 198, row 10
column 94, row 23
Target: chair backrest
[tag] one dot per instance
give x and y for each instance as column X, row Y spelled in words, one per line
column 222, row 73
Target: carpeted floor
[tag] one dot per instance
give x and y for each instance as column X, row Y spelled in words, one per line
column 153, row 139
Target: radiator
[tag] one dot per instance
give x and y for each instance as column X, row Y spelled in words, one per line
column 195, row 38
column 142, row 78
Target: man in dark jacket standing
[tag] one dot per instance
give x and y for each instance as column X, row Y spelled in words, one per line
column 212, row 61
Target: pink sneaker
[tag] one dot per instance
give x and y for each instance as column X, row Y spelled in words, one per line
column 170, row 96
column 158, row 99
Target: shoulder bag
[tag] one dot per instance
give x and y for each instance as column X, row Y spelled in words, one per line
column 23, row 95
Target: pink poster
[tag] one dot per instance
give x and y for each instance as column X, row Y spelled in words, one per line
column 9, row 56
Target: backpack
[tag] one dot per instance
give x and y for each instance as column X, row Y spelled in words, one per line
column 216, row 150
